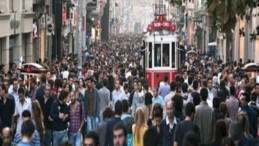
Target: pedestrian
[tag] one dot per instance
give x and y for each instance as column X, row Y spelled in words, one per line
column 27, row 133
column 91, row 139
column 111, row 122
column 204, row 119
column 138, row 98
column 45, row 104
column 60, row 114
column 151, row 137
column 37, row 117
column 91, row 105
column 217, row 114
column 168, row 125
column 139, row 128
column 104, row 94
column 119, row 135
column 7, row 137
column 171, row 94
column 232, row 104
column 77, row 120
column 40, row 90
column 165, row 88
column 7, row 106
column 117, row 93
column 13, row 89
column 128, row 121
column 23, row 103
column 157, row 98
column 148, row 102
column 220, row 132
column 187, row 125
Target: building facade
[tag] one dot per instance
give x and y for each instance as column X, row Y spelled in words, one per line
column 16, row 21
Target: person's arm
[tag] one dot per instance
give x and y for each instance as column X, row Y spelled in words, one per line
column 108, row 98
column 36, row 139
column 82, row 117
column 67, row 115
column 97, row 103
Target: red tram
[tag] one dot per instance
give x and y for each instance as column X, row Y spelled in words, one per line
column 161, row 56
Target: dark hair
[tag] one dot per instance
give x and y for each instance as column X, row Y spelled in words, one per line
column 222, row 84
column 63, row 95
column 151, row 137
column 126, row 86
column 204, row 94
column 196, row 99
column 216, row 102
column 33, row 80
column 66, row 143
column 236, row 130
column 253, row 97
column 191, row 139
column 43, row 79
column 220, row 130
column 94, row 136
column 232, row 91
column 190, row 80
column 178, row 102
column 184, row 87
column 148, row 98
column 125, row 105
column 247, row 97
column 69, row 86
column 21, row 90
column 108, row 113
column 172, row 86
column 28, row 128
column 165, row 78
column 26, row 114
column 195, row 84
column 118, row 107
column 145, row 86
column 120, row 126
column 189, row 109
column 3, row 87
column 105, row 82
column 157, row 111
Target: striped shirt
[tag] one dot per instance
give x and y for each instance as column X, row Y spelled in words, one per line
column 35, row 141
column 75, row 119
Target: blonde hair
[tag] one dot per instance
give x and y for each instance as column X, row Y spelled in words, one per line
column 140, row 121
column 243, row 118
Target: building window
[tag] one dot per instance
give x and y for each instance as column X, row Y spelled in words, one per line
column 1, row 51
column 150, row 55
column 165, row 59
column 173, row 55
column 158, row 55
column 11, row 48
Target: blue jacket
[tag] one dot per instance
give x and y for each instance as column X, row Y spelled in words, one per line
column 96, row 102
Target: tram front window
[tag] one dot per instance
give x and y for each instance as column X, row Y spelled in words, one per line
column 157, row 55
column 165, row 55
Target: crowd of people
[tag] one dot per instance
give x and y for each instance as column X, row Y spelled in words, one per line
column 208, row 103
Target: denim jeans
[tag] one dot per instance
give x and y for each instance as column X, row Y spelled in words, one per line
column 48, row 137
column 75, row 139
column 58, row 137
column 91, row 123
column 101, row 116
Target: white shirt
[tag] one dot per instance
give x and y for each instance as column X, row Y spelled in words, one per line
column 169, row 96
column 171, row 125
column 19, row 108
column 14, row 94
column 65, row 74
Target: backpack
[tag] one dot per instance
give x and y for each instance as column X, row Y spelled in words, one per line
column 128, row 122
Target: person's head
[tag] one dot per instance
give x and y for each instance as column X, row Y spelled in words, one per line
column 178, row 87
column 178, row 102
column 191, row 139
column 82, row 83
column 216, row 102
column 155, row 92
column 204, row 94
column 27, row 130
column 47, row 90
column 170, row 108
column 236, row 130
column 105, row 82
column 244, row 99
column 63, row 97
column 3, row 90
column 126, row 88
column 125, row 105
column 91, row 139
column 21, row 94
column 119, row 135
column 195, row 85
column 108, row 113
column 33, row 83
column 196, row 99
column 72, row 97
column 223, row 108
column 220, row 131
column 232, row 91
column 7, row 136
column 157, row 113
column 165, row 78
column 90, row 82
column 118, row 108
column 172, row 86
column 70, row 80
column 67, row 87
column 48, row 75
column 140, row 121
column 76, row 83
column 139, row 85
column 15, row 84
column 209, row 83
column 117, row 85
column 43, row 79
column 151, row 137
column 190, row 110
column 26, row 115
